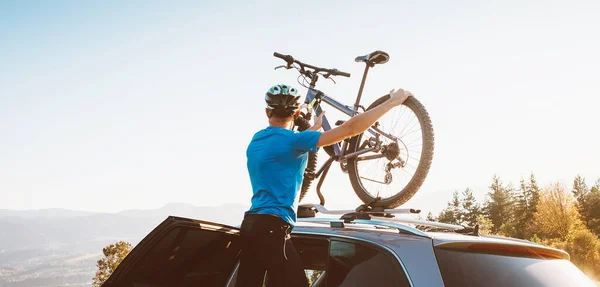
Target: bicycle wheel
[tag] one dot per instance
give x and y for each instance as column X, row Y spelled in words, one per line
column 311, row 166
column 402, row 166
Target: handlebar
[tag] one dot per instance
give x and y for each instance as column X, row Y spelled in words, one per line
column 329, row 72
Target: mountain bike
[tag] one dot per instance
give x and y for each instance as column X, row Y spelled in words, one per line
column 386, row 167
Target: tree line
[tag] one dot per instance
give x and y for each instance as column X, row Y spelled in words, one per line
column 559, row 216
column 562, row 217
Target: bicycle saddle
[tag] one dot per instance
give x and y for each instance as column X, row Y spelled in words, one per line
column 377, row 57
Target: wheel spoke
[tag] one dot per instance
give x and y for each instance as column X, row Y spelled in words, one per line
column 409, row 144
column 369, row 168
column 369, row 157
column 411, row 128
column 411, row 132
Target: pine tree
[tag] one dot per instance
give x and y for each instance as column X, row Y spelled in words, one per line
column 580, row 191
column 596, row 187
column 525, row 205
column 534, row 193
column 588, row 203
column 498, row 207
column 518, row 225
column 592, row 216
column 452, row 213
column 471, row 209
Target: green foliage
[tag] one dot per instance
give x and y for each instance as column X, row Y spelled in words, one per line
column 535, row 239
column 313, row 275
column 588, row 203
column 452, row 213
column 113, row 255
column 592, row 216
column 583, row 248
column 551, row 216
column 462, row 210
column 471, row 209
column 556, row 214
column 580, row 191
column 499, row 205
column 485, row 225
column 525, row 205
column 596, row 187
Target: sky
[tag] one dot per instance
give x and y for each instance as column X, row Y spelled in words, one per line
column 112, row 105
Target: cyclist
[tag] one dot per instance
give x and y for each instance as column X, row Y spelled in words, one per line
column 276, row 159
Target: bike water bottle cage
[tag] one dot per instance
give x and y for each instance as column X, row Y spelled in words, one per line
column 282, row 97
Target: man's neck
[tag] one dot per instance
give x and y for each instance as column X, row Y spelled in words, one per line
column 279, row 123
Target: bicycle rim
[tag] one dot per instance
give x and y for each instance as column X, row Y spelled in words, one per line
column 410, row 123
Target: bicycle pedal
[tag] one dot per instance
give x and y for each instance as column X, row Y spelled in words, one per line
column 340, row 122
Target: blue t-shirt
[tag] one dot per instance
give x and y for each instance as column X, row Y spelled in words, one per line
column 276, row 160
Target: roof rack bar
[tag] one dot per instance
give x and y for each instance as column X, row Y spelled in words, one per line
column 321, row 209
column 402, row 220
column 424, row 223
column 401, row 228
column 377, row 216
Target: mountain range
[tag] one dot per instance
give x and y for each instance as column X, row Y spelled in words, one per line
column 53, row 247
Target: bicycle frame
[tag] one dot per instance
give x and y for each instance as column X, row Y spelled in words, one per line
column 313, row 98
column 313, row 94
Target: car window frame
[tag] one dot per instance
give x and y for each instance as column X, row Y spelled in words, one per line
column 381, row 248
column 156, row 235
column 385, row 250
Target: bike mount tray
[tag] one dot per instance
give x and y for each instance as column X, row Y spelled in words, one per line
column 385, row 217
column 306, row 210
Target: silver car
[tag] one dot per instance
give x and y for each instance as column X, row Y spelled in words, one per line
column 354, row 249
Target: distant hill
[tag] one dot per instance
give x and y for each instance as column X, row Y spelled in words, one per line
column 47, row 213
column 62, row 246
column 229, row 213
column 53, row 228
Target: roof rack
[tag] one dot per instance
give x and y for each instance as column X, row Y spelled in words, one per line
column 385, row 217
column 362, row 209
column 340, row 223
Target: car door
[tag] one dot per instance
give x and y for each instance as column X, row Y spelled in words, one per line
column 359, row 263
column 181, row 252
column 330, row 260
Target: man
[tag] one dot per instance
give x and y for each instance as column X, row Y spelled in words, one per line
column 276, row 159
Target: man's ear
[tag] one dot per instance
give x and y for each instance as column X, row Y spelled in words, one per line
column 297, row 114
column 268, row 113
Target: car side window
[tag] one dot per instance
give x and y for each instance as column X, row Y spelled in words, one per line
column 356, row 264
column 188, row 257
column 313, row 252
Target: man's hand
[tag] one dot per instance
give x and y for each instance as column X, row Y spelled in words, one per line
column 318, row 122
column 398, row 97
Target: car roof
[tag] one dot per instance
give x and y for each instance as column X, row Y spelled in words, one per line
column 375, row 232
column 392, row 237
column 368, row 231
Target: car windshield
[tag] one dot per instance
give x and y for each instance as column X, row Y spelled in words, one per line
column 460, row 268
